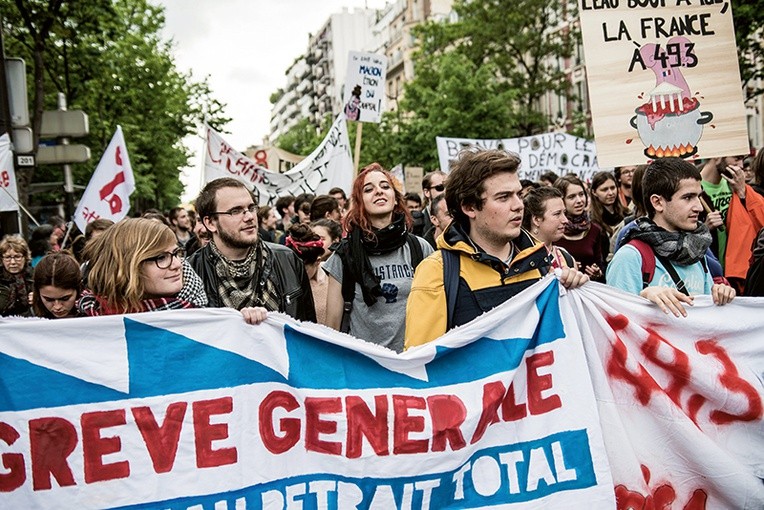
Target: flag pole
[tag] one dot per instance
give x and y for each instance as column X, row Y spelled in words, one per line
column 357, row 153
column 21, row 206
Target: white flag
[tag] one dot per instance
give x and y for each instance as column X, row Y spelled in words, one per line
column 329, row 165
column 108, row 193
column 9, row 196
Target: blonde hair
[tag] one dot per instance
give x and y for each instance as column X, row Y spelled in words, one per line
column 17, row 244
column 116, row 257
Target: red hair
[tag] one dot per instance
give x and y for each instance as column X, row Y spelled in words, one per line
column 357, row 215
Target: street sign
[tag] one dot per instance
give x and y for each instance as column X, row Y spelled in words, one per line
column 64, row 123
column 62, row 154
column 16, row 78
column 22, row 140
column 25, row 160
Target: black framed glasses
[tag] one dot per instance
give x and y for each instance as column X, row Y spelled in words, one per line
column 9, row 258
column 437, row 187
column 164, row 259
column 238, row 212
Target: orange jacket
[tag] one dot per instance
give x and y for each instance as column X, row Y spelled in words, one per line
column 743, row 224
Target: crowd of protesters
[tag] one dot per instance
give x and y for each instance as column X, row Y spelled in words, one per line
column 400, row 269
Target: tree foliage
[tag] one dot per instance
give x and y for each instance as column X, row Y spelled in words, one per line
column 748, row 17
column 108, row 58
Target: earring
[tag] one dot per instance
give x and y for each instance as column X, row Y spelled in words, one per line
column 535, row 232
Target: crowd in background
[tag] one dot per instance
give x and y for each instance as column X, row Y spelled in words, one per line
column 349, row 262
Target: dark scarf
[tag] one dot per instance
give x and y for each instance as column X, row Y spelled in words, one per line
column 239, row 282
column 358, row 246
column 611, row 219
column 684, row 248
column 577, row 224
column 18, row 293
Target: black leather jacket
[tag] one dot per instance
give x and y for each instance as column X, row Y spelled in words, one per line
column 282, row 266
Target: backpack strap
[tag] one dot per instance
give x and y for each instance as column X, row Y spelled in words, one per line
column 674, row 275
column 648, row 260
column 415, row 248
column 451, row 267
column 348, row 292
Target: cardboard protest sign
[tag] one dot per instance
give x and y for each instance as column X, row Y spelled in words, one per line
column 364, row 98
column 554, row 400
column 559, row 152
column 663, row 79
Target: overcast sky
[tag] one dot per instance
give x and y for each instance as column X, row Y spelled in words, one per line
column 245, row 47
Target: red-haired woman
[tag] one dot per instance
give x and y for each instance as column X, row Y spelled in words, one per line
column 378, row 255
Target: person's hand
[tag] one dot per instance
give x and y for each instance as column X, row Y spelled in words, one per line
column 30, row 298
column 254, row 314
column 722, row 293
column 714, row 220
column 593, row 271
column 737, row 182
column 572, row 278
column 668, row 299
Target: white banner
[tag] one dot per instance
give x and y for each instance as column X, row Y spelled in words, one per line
column 364, row 97
column 112, row 183
column 581, row 399
column 559, row 152
column 329, row 165
column 9, row 195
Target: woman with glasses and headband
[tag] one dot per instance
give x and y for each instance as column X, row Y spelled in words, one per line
column 16, row 277
column 137, row 266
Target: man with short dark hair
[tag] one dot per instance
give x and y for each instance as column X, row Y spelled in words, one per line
column 181, row 225
column 325, row 207
column 339, row 194
column 671, row 190
column 413, row 201
column 239, row 269
column 440, row 218
column 433, row 184
column 484, row 246
column 624, row 175
column 285, row 208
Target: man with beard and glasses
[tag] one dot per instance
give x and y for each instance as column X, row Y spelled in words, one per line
column 238, row 268
column 672, row 232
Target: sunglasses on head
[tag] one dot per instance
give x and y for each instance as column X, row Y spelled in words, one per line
column 437, row 187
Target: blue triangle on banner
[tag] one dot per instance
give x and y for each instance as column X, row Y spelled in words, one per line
column 163, row 362
column 29, row 386
column 321, row 365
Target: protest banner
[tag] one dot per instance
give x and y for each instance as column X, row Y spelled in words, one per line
column 329, row 165
column 108, row 193
column 364, row 97
column 559, row 152
column 663, row 80
column 9, row 196
column 554, row 400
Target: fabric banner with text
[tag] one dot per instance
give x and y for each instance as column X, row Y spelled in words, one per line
column 329, row 165
column 559, row 152
column 557, row 399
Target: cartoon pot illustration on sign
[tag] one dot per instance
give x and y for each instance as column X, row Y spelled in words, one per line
column 670, row 123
